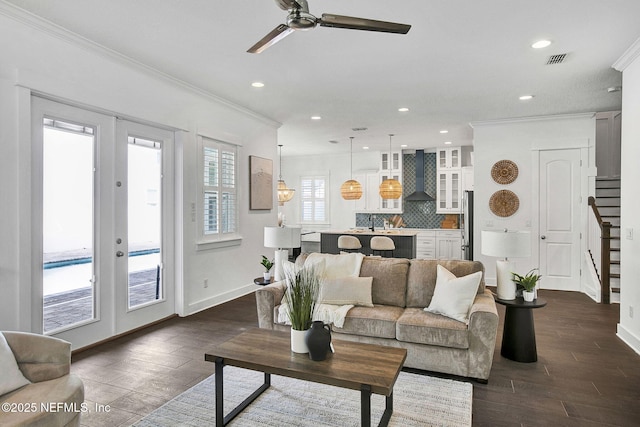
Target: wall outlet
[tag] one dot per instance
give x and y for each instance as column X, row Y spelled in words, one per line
column 206, row 283
column 629, row 233
column 631, row 312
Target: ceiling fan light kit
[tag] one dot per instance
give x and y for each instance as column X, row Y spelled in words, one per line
column 299, row 18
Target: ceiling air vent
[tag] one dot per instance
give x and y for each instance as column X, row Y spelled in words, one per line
column 556, row 59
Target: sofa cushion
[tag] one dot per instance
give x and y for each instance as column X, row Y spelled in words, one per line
column 389, row 279
column 12, row 377
column 421, row 281
column 421, row 327
column 378, row 321
column 453, row 295
column 347, row 290
column 335, row 266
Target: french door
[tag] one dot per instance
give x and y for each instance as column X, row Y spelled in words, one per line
column 102, row 221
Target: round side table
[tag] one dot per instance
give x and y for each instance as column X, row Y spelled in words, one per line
column 519, row 336
column 261, row 282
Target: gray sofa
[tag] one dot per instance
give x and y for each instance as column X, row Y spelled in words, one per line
column 401, row 289
column 46, row 362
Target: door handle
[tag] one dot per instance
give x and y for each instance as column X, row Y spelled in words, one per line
column 119, row 253
column 543, row 237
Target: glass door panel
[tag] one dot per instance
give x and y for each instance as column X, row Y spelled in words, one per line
column 67, row 225
column 144, row 221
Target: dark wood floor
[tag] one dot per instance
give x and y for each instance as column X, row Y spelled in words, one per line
column 585, row 376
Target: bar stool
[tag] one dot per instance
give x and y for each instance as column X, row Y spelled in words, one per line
column 382, row 245
column 349, row 244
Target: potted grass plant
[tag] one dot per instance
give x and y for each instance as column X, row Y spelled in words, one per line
column 267, row 264
column 301, row 297
column 527, row 283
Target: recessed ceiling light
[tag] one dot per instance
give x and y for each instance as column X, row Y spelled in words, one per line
column 447, row 143
column 613, row 89
column 316, row 117
column 403, row 109
column 403, row 145
column 444, row 131
column 257, row 84
column 526, row 97
column 541, row 44
column 365, row 148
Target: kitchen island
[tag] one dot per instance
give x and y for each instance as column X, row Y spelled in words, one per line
column 403, row 238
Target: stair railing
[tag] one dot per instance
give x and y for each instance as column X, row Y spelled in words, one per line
column 599, row 246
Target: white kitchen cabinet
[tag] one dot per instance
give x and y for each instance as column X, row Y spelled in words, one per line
column 449, row 158
column 426, row 244
column 449, row 244
column 449, row 192
column 467, row 178
column 396, row 162
column 370, row 201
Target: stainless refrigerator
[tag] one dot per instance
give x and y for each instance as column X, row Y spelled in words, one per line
column 467, row 224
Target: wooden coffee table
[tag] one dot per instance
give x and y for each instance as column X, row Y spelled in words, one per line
column 365, row 367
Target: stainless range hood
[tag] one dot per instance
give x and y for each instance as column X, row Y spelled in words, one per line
column 419, row 195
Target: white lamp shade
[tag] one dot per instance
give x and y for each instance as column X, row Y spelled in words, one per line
column 506, row 244
column 282, row 237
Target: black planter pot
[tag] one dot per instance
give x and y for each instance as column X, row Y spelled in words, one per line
column 318, row 339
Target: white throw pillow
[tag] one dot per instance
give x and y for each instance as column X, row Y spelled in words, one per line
column 11, row 378
column 453, row 296
column 347, row 291
column 335, row 265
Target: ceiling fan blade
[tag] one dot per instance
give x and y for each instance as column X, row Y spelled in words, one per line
column 352, row 23
column 277, row 34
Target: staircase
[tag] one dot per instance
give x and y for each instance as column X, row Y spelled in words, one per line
column 608, row 201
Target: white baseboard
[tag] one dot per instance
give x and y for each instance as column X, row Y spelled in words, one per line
column 206, row 303
column 629, row 338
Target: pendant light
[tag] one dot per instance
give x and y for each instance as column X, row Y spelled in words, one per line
column 284, row 193
column 390, row 188
column 351, row 189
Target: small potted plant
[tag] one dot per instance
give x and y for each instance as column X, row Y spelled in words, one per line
column 528, row 283
column 267, row 264
column 300, row 301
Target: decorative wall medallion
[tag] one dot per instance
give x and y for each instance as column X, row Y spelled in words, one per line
column 504, row 203
column 504, row 172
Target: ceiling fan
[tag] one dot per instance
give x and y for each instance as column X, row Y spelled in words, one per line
column 299, row 18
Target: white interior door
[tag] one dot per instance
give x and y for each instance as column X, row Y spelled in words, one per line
column 560, row 219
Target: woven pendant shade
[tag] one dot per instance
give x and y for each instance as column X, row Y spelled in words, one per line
column 351, row 190
column 390, row 188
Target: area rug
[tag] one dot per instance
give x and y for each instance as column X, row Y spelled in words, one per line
column 419, row 400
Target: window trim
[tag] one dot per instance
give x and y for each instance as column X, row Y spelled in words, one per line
column 327, row 199
column 217, row 240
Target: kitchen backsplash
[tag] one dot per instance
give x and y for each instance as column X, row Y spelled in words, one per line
column 415, row 214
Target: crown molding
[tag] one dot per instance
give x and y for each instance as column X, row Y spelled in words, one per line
column 49, row 28
column 532, row 119
column 628, row 56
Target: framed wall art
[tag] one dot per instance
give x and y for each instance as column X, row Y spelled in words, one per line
column 260, row 183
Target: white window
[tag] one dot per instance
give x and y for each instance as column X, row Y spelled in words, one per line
column 219, row 202
column 315, row 199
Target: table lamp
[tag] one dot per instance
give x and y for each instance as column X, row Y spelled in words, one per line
column 506, row 244
column 282, row 239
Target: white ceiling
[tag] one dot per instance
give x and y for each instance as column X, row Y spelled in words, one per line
column 462, row 61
